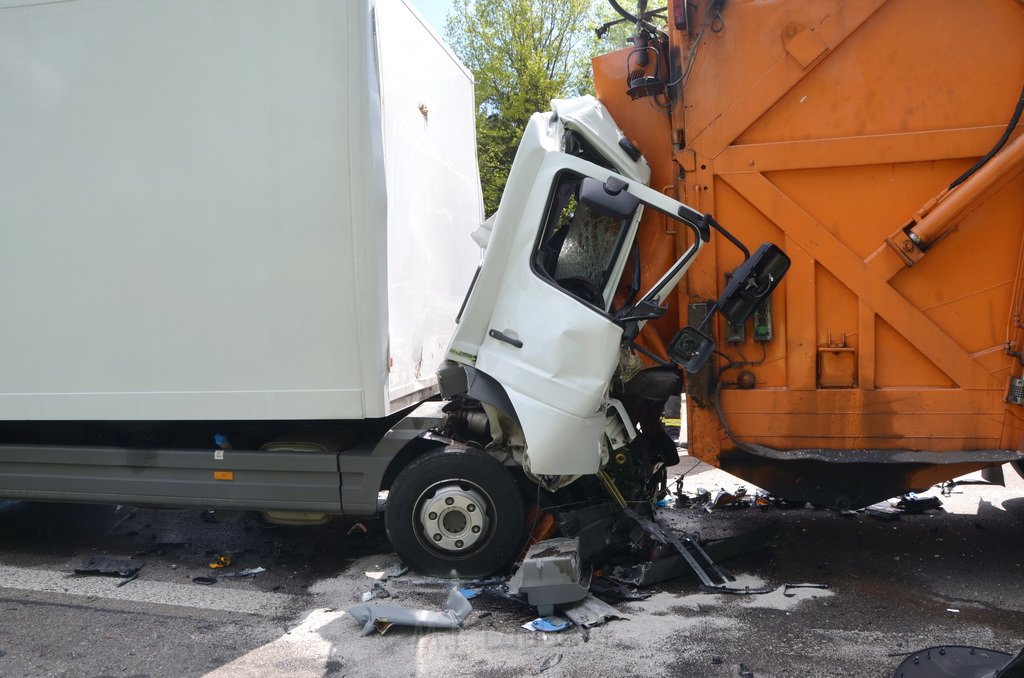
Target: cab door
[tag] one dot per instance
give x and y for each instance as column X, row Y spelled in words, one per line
column 552, row 341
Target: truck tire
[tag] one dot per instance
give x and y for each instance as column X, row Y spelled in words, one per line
column 455, row 513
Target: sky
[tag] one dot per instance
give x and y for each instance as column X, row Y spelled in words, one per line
column 435, row 12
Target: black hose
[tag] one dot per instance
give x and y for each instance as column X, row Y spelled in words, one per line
column 622, row 12
column 995, row 149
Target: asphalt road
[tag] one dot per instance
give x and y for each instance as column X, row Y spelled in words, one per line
column 943, row 577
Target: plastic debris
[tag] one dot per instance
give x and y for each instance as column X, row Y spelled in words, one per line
column 205, row 581
column 381, row 618
column 547, row 624
column 378, row 591
column 221, row 561
column 110, row 566
column 551, row 574
column 358, row 528
column 248, row 572
column 883, row 511
column 470, row 594
column 392, row 572
column 913, row 503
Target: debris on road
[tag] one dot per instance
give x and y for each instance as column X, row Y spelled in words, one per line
column 392, row 572
column 616, row 590
column 358, row 528
column 913, row 503
column 110, row 566
column 590, row 611
column 713, row 578
column 788, row 588
column 883, row 511
column 378, row 591
column 381, row 618
column 220, row 561
column 551, row 574
column 548, row 624
column 205, row 581
column 248, row 572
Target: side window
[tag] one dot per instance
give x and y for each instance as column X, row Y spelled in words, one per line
column 578, row 247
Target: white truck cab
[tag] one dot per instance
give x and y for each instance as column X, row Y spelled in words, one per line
column 540, row 336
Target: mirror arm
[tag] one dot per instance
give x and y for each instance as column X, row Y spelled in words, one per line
column 708, row 221
column 642, row 312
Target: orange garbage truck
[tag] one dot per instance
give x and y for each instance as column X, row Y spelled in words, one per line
column 877, row 143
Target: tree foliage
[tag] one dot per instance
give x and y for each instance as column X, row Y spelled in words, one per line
column 523, row 53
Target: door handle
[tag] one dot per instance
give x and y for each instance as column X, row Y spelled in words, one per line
column 501, row 336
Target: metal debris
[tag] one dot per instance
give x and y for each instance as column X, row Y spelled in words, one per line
column 713, row 578
column 805, row 585
column 590, row 612
column 670, row 567
column 381, row 618
column 616, row 590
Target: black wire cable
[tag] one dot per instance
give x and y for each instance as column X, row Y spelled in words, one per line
column 995, row 149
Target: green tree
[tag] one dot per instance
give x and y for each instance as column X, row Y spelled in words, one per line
column 523, row 53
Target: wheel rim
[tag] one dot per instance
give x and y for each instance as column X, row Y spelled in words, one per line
column 453, row 517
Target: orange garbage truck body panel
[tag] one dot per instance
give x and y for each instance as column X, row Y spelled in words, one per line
column 887, row 358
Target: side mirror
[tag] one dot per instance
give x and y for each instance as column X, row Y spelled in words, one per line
column 690, row 348
column 610, row 199
column 752, row 282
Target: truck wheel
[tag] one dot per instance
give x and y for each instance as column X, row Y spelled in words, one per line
column 455, row 513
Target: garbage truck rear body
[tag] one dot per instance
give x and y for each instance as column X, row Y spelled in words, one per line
column 876, row 142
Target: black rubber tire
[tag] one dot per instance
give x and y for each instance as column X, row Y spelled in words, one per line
column 475, row 469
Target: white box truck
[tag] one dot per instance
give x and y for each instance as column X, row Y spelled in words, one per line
column 234, row 247
column 234, row 236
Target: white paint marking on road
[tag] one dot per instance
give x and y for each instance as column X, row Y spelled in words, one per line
column 142, row 591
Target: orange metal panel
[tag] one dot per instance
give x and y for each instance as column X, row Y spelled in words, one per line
column 826, row 126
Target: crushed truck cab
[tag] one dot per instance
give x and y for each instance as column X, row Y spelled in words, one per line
column 548, row 322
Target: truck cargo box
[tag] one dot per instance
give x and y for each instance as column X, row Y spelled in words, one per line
column 229, row 209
